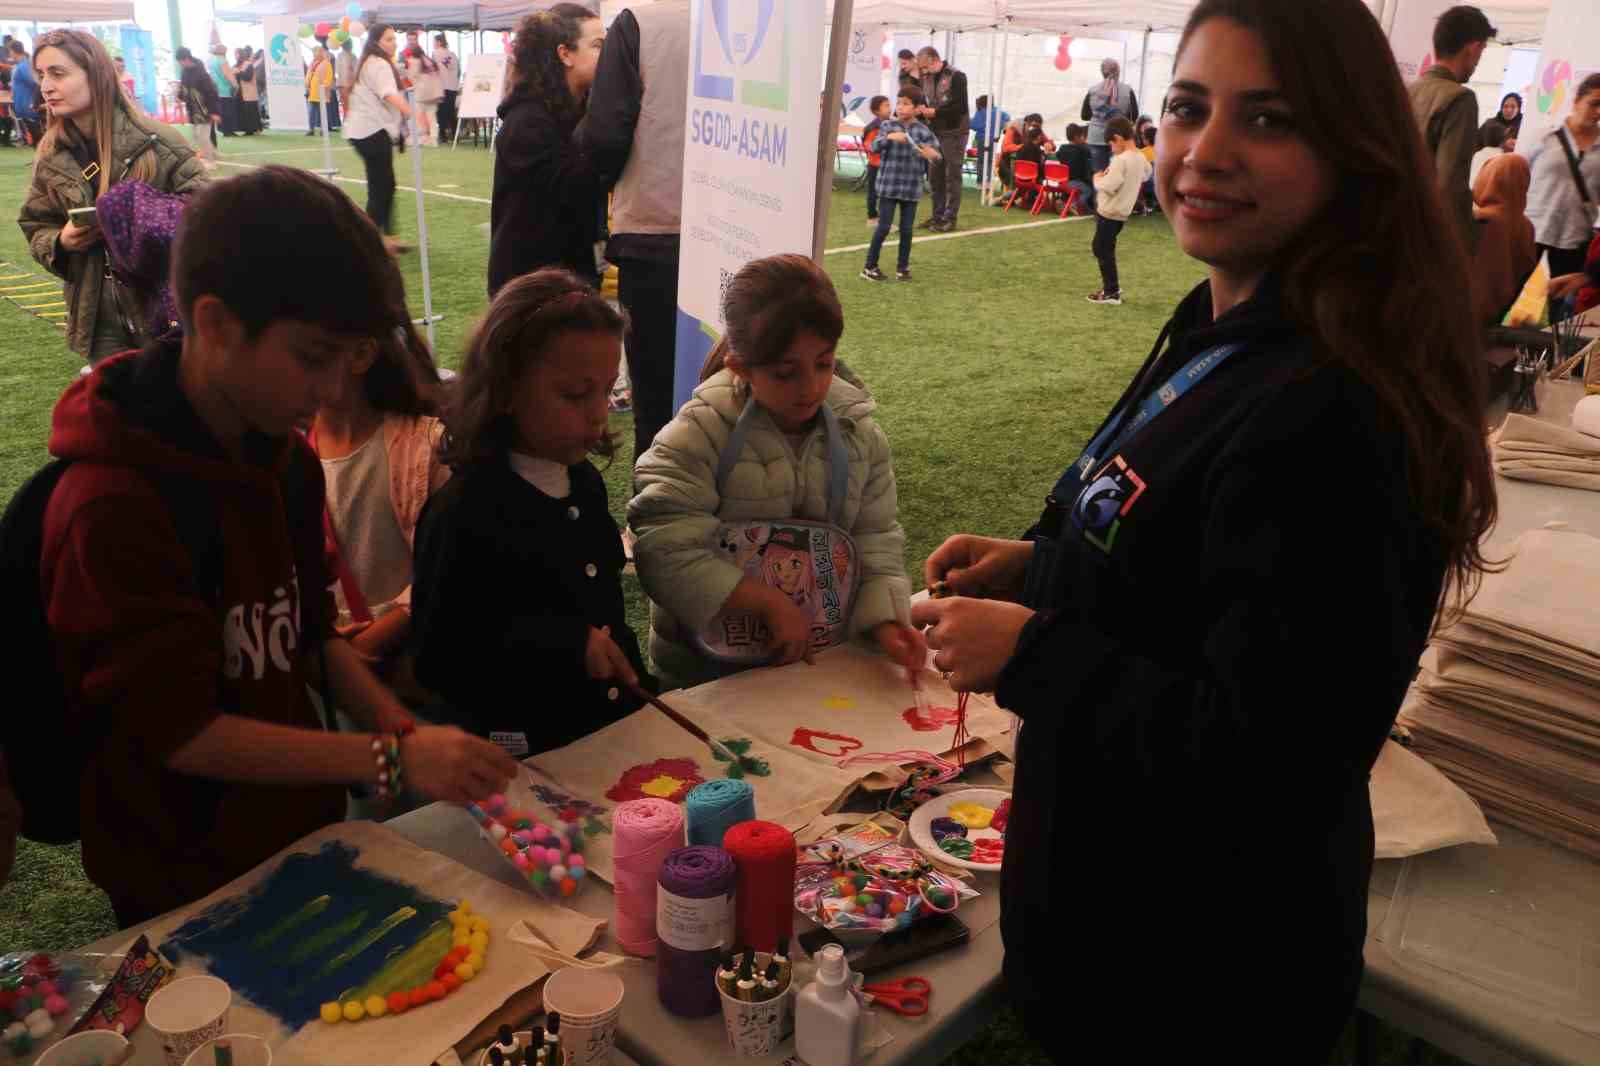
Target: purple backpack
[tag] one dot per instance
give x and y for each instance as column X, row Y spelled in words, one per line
column 139, row 225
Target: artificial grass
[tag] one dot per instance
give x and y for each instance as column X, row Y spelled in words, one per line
column 990, row 370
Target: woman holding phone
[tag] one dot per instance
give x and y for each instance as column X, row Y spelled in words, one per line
column 93, row 141
column 1209, row 631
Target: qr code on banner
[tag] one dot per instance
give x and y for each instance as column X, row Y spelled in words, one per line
column 722, row 286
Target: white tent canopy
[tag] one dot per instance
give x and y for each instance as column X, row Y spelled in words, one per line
column 57, row 12
column 437, row 14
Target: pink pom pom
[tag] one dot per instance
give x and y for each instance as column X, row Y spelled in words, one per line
column 539, row 854
column 496, row 804
column 522, row 860
column 55, row 1005
column 45, row 989
column 577, row 860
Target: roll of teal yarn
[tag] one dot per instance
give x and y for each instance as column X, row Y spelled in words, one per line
column 713, row 807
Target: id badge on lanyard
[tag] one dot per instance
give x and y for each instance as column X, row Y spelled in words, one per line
column 1098, row 490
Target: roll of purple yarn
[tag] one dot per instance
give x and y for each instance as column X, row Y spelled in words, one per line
column 694, row 924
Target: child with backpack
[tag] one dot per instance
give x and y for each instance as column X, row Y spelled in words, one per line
column 772, row 433
column 179, row 554
column 904, row 144
column 378, row 442
column 880, row 113
column 518, row 621
column 1116, row 190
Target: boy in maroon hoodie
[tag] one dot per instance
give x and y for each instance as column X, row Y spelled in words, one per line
column 210, row 755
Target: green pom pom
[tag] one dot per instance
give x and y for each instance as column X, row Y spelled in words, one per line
column 862, row 880
column 864, row 900
column 539, row 877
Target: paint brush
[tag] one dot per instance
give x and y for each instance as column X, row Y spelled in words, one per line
column 745, row 763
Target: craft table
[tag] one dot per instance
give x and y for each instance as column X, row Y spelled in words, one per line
column 1476, row 1023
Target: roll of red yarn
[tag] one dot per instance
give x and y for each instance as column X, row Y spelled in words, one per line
column 764, row 905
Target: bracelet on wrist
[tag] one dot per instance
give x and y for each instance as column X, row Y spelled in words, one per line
column 391, row 773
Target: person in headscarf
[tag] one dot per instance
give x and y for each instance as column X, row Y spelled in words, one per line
column 1112, row 97
column 1508, row 118
column 1505, row 254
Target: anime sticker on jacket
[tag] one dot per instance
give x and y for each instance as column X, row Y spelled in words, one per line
column 812, row 563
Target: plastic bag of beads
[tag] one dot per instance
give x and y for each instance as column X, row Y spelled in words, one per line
column 41, row 997
column 547, row 855
column 859, row 893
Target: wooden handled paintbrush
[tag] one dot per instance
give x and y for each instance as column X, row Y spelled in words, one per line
column 721, row 750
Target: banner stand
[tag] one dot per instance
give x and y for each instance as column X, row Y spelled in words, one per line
column 428, row 317
column 483, row 83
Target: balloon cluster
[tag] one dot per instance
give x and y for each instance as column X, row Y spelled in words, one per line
column 338, row 33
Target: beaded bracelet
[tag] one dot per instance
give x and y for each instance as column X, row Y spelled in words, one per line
column 391, row 773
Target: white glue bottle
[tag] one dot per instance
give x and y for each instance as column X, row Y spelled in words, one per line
column 826, row 1014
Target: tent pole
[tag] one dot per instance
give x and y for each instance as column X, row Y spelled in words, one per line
column 175, row 24
column 1144, row 65
column 1005, row 56
column 428, row 317
column 828, row 131
column 986, row 148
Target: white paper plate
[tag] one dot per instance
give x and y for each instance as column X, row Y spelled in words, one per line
column 939, row 807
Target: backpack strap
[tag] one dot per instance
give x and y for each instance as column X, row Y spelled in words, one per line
column 838, row 458
column 1572, row 164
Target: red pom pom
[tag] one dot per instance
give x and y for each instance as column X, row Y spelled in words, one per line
column 451, row 982
column 8, row 999
column 568, row 886
column 440, row 970
column 399, row 1003
column 435, row 990
column 419, row 995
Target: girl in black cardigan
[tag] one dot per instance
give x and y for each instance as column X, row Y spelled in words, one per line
column 517, row 619
column 548, row 204
column 1208, row 633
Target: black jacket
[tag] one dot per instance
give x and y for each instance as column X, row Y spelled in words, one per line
column 1202, row 704
column 954, row 114
column 199, row 93
column 547, row 197
column 508, row 582
column 1079, row 163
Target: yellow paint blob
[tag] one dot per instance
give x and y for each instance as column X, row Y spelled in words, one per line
column 377, row 1006
column 661, row 787
column 354, row 1012
column 839, row 703
column 971, row 815
column 331, row 1013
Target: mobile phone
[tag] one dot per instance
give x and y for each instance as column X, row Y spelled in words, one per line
column 83, row 216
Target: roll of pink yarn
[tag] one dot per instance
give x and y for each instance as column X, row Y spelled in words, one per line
column 644, row 832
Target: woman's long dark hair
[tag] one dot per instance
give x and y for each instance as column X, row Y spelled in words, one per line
column 537, row 71
column 1379, row 280
column 372, row 48
column 527, row 316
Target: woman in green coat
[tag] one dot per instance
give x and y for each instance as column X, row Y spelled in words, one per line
column 92, row 142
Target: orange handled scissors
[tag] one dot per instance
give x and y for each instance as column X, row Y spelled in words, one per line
column 907, row 996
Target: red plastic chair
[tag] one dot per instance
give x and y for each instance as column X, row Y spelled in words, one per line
column 1054, row 184
column 1024, row 175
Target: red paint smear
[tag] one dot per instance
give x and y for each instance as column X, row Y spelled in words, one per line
column 809, row 738
column 938, row 718
column 629, row 785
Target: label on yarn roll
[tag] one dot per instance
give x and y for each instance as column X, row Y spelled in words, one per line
column 693, row 924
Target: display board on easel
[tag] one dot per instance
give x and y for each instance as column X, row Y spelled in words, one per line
column 483, row 85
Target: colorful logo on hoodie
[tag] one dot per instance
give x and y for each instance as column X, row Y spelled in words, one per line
column 1102, row 506
column 741, row 52
column 1553, row 86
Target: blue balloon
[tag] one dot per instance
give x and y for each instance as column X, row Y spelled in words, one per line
column 353, row 10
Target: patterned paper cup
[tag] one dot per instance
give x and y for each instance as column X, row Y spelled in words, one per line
column 590, row 1003
column 247, row 1051
column 188, row 1013
column 754, row 1029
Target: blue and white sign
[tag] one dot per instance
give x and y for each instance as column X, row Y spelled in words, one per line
column 750, row 154
column 139, row 57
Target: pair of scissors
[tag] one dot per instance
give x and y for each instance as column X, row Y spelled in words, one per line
column 907, row 996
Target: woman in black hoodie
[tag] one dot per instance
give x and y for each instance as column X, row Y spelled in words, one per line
column 547, row 198
column 1209, row 632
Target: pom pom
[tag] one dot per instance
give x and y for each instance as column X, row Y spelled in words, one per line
column 45, row 989
column 497, row 831
column 40, row 1030
column 522, row 862
column 474, row 960
column 56, row 1005
column 464, row 907
column 558, row 872
column 577, row 860
column 479, row 942
column 874, row 910
column 568, row 886
column 376, row 1006
column 354, row 1012
column 577, row 873
column 466, row 971
column 539, row 877
column 450, row 981
column 434, row 990
column 399, row 1002
column 331, row 1013
column 456, row 918
column 418, row 996
column 480, row 924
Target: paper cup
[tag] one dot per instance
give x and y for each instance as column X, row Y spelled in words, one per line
column 187, row 1013
column 247, row 1051
column 524, row 1040
column 589, row 1002
column 96, row 1045
column 754, row 1029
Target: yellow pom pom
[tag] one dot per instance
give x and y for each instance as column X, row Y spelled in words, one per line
column 478, row 942
column 457, row 919
column 331, row 1013
column 475, row 960
column 377, row 1006
column 466, row 971
column 459, row 938
column 464, row 907
column 354, row 1012
column 479, row 923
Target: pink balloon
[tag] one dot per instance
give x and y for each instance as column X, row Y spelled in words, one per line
column 358, row 28
column 1063, row 59
column 323, row 29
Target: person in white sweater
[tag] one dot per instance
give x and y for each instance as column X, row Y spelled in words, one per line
column 1116, row 191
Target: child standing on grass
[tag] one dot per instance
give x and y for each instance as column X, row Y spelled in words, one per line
column 904, row 144
column 519, row 562
column 775, row 367
column 1116, row 190
column 182, row 568
column 880, row 113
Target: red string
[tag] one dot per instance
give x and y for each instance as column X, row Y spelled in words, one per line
column 959, row 742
